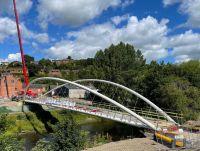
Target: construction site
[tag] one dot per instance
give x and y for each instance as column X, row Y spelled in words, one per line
column 120, row 101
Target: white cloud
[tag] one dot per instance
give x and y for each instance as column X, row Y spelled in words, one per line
column 8, row 29
column 73, row 13
column 185, row 46
column 118, row 19
column 189, row 7
column 192, row 9
column 147, row 34
column 42, row 37
column 127, row 3
column 170, row 2
column 34, row 45
column 12, row 57
column 182, row 58
column 23, row 6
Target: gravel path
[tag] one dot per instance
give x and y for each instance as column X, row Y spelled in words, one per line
column 136, row 144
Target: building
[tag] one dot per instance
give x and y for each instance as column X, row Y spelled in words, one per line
column 74, row 92
column 15, row 70
column 70, row 92
column 55, row 73
column 4, row 63
column 41, row 72
column 62, row 61
column 68, row 72
column 35, row 62
column 9, row 85
column 38, row 88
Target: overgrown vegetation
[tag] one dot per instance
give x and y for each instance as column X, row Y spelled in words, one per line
column 66, row 133
column 11, row 142
column 67, row 136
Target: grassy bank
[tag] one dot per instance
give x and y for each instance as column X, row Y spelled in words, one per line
column 29, row 122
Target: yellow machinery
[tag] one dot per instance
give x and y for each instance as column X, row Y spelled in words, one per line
column 175, row 138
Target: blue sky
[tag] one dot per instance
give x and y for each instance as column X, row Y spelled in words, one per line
column 166, row 30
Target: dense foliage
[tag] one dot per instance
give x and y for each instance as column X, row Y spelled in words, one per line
column 8, row 143
column 67, row 136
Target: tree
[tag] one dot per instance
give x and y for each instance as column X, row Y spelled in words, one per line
column 3, row 123
column 15, row 64
column 113, row 61
column 43, row 146
column 151, row 82
column 191, row 71
column 178, row 94
column 8, row 143
column 33, row 69
column 69, row 57
column 67, row 136
column 29, row 59
column 46, row 64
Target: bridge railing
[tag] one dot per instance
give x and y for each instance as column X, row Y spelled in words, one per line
column 144, row 111
column 131, row 99
column 61, row 92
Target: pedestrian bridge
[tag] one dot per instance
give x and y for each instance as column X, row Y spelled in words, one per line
column 104, row 99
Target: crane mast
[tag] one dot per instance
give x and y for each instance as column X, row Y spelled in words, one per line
column 24, row 69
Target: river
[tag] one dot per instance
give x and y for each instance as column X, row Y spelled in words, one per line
column 113, row 130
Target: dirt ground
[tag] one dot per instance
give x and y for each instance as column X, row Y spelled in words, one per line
column 9, row 104
column 136, row 144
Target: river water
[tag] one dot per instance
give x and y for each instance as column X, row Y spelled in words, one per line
column 112, row 130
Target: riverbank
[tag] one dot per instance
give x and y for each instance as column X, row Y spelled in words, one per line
column 32, row 126
column 25, row 122
column 136, row 144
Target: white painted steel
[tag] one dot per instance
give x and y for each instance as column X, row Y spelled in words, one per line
column 104, row 113
column 132, row 92
column 98, row 94
column 127, row 89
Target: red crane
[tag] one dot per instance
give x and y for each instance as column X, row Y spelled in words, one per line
column 24, row 69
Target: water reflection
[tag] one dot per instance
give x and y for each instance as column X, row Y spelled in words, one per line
column 113, row 130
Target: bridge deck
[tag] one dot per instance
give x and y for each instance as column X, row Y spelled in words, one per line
column 118, row 116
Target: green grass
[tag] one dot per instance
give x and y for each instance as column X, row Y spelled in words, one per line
column 18, row 122
column 4, row 110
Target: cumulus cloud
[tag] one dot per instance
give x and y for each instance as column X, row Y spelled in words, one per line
column 118, row 19
column 147, row 34
column 12, row 57
column 170, row 2
column 127, row 3
column 185, row 46
column 73, row 13
column 6, row 6
column 190, row 8
column 41, row 37
column 8, row 29
column 182, row 58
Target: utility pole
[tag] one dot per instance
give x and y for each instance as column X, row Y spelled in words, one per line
column 24, row 69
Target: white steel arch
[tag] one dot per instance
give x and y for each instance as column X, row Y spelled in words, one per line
column 132, row 92
column 125, row 88
column 149, row 124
